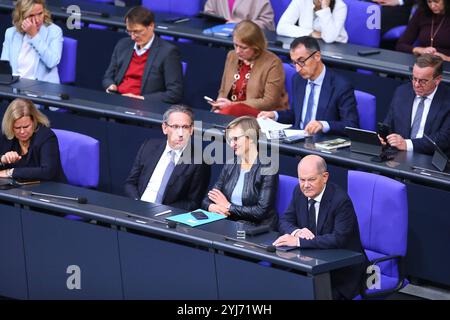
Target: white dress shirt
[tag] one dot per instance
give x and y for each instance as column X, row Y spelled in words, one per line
column 144, row 49
column 154, row 183
column 426, row 109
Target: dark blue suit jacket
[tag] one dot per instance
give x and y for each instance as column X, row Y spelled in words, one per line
column 187, row 184
column 337, row 228
column 42, row 162
column 437, row 126
column 337, row 103
column 162, row 80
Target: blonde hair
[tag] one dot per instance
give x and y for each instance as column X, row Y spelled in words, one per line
column 251, row 34
column 23, row 9
column 20, row 108
column 248, row 124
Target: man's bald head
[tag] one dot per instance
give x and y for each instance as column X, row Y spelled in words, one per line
column 313, row 175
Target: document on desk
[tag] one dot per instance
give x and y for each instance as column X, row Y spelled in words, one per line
column 190, row 220
column 271, row 127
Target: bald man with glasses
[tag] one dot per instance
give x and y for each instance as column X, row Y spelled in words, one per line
column 420, row 107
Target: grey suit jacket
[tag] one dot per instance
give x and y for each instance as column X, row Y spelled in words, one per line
column 162, row 79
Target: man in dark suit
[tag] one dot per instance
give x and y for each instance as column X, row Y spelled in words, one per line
column 322, row 100
column 165, row 172
column 421, row 107
column 321, row 216
column 144, row 67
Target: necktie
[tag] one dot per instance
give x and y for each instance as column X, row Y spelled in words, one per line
column 312, row 216
column 417, row 118
column 166, row 177
column 309, row 105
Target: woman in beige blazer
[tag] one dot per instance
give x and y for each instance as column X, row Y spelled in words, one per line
column 259, row 11
column 253, row 77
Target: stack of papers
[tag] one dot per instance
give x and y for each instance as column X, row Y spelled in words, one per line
column 276, row 130
column 333, row 144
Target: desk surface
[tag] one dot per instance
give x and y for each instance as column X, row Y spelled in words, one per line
column 115, row 210
column 387, row 61
column 147, row 112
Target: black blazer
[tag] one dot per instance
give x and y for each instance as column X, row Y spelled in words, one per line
column 437, row 125
column 258, row 196
column 337, row 228
column 186, row 186
column 163, row 77
column 42, row 162
column 337, row 103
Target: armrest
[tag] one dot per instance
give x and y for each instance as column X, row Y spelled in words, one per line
column 400, row 282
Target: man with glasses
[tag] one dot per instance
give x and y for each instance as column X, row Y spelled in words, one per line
column 420, row 107
column 321, row 216
column 322, row 100
column 144, row 66
column 165, row 171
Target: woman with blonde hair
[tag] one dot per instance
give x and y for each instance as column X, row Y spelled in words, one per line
column 246, row 188
column 253, row 77
column 33, row 46
column 28, row 147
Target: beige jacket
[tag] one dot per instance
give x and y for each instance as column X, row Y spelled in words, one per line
column 265, row 88
column 259, row 11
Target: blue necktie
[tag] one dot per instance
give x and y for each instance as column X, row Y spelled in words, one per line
column 309, row 105
column 417, row 118
column 166, row 177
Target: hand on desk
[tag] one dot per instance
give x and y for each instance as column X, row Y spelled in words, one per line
column 111, row 88
column 286, row 240
column 422, row 50
column 266, row 115
column 218, row 209
column 10, row 157
column 313, row 127
column 133, row 96
column 396, row 140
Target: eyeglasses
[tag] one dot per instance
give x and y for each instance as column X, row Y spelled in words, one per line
column 302, row 63
column 177, row 127
column 234, row 139
column 136, row 33
column 421, row 82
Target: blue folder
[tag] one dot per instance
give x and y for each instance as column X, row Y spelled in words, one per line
column 188, row 218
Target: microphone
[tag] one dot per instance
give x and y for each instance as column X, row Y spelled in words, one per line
column 81, row 200
column 171, row 224
column 269, row 248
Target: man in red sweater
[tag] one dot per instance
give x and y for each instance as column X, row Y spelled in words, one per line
column 144, row 66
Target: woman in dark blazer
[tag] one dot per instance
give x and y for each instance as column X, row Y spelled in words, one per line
column 28, row 147
column 246, row 189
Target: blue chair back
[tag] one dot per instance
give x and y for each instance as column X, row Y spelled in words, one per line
column 279, row 7
column 286, row 187
column 356, row 24
column 289, row 72
column 181, row 7
column 381, row 206
column 366, row 104
column 67, row 66
column 79, row 158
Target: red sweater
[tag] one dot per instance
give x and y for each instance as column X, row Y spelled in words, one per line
column 132, row 80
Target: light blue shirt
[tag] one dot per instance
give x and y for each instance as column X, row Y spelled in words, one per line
column 236, row 196
column 48, row 43
column 317, row 89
